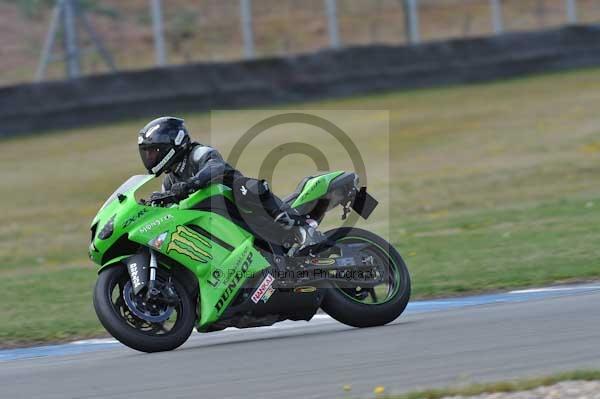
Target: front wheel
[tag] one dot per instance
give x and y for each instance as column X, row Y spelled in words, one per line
column 146, row 326
column 374, row 306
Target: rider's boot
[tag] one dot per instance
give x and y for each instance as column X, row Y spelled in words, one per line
column 301, row 232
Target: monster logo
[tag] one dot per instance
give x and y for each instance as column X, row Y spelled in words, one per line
column 187, row 242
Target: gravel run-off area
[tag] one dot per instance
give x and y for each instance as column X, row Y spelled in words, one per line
column 562, row 390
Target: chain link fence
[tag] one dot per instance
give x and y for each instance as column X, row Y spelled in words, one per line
column 143, row 33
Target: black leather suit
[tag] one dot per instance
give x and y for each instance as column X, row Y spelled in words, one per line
column 204, row 165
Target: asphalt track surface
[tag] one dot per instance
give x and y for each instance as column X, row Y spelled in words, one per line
column 436, row 343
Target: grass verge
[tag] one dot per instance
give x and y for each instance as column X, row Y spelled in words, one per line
column 495, row 387
column 491, row 186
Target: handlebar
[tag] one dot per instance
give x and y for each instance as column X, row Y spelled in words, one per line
column 162, row 198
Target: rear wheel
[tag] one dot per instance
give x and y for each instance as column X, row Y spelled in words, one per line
column 374, row 306
column 147, row 326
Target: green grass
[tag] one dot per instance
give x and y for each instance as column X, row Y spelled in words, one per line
column 507, row 386
column 490, row 187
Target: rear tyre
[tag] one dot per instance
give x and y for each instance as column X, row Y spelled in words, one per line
column 370, row 307
column 116, row 315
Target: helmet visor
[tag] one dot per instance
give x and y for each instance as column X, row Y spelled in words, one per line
column 156, row 157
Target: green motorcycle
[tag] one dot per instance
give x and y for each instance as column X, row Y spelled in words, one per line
column 167, row 266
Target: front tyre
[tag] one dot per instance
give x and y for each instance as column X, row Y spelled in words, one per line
column 359, row 307
column 143, row 326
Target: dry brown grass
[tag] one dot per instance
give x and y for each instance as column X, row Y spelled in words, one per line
column 207, row 30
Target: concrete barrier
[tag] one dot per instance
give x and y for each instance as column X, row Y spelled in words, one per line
column 331, row 73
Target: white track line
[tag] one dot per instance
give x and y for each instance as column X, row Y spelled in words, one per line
column 324, row 318
column 556, row 289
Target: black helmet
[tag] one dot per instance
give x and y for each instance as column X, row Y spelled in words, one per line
column 163, row 142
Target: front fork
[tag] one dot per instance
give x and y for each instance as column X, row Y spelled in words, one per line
column 152, row 290
column 166, row 293
column 143, row 270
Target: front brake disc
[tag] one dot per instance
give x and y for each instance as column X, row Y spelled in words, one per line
column 142, row 308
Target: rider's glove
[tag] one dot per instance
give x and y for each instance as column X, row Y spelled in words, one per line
column 181, row 190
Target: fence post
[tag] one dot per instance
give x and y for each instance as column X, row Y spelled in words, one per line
column 497, row 20
column 411, row 16
column 103, row 51
column 71, row 42
column 248, row 32
column 159, row 35
column 332, row 23
column 571, row 6
column 49, row 41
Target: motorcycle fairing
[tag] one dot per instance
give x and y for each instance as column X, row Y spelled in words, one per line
column 219, row 253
